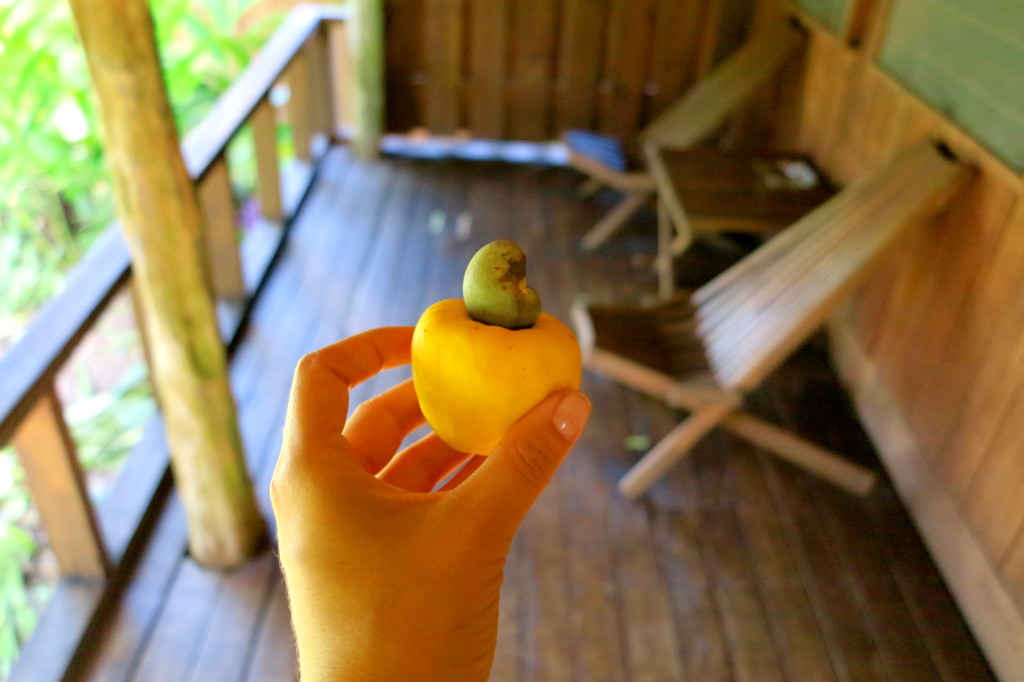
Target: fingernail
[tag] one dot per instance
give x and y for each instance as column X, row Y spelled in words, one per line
column 571, row 414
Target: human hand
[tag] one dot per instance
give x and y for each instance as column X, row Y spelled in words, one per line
column 389, row 579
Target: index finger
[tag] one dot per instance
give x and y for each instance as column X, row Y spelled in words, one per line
column 318, row 404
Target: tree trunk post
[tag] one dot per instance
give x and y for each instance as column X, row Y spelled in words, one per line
column 160, row 217
column 367, row 42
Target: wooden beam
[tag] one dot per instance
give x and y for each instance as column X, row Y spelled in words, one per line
column 268, row 165
column 367, row 42
column 55, row 481
column 323, row 86
column 300, row 103
column 223, row 262
column 343, row 78
column 160, row 216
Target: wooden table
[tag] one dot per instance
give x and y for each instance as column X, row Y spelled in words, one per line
column 707, row 190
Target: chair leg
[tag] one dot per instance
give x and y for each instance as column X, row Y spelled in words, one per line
column 671, row 449
column 589, row 188
column 808, row 456
column 615, row 219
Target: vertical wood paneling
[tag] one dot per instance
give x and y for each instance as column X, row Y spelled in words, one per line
column 1012, row 567
column 938, row 330
column 677, row 28
column 969, row 259
column 404, row 67
column 985, row 402
column 579, row 62
column 534, row 36
column 627, row 58
column 442, row 36
column 531, row 69
column 992, row 501
column 488, row 21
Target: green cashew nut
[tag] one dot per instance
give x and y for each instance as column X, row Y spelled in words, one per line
column 494, row 287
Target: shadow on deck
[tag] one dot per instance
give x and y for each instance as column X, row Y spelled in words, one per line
column 735, row 567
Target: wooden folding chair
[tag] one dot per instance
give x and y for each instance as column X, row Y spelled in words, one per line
column 744, row 323
column 689, row 121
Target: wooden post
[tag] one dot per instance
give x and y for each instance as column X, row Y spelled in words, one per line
column 268, row 185
column 367, row 41
column 55, row 480
column 323, row 97
column 300, row 104
column 343, row 80
column 160, row 216
column 223, row 260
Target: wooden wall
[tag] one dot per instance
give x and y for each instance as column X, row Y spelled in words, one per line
column 529, row 69
column 933, row 347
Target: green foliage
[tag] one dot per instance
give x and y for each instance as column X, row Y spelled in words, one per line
column 55, row 193
column 56, row 197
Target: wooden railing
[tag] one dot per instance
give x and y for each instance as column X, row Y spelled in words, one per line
column 93, row 544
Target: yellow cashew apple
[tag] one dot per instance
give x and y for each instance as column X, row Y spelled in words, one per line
column 481, row 362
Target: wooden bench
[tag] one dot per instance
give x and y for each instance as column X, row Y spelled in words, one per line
column 691, row 120
column 750, row 318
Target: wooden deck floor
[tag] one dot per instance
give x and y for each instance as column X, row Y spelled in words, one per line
column 736, row 567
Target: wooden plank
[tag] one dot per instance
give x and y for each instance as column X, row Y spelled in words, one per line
column 946, row 637
column 626, row 61
column 221, row 235
column 268, row 173
column 680, row 538
column 488, row 45
column 991, row 497
column 581, row 38
column 953, row 289
column 984, row 599
column 49, row 653
column 676, row 32
column 748, row 638
column 299, row 107
column 1011, row 568
column 811, row 409
column 115, row 647
column 442, row 37
column 648, row 625
column 825, row 577
column 709, row 42
column 241, row 602
column 323, row 85
column 1000, row 311
column 802, row 650
column 173, row 644
column 273, row 656
column 57, row 487
column 534, row 25
column 405, row 75
column 706, row 105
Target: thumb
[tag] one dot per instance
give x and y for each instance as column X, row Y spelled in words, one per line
column 522, row 464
